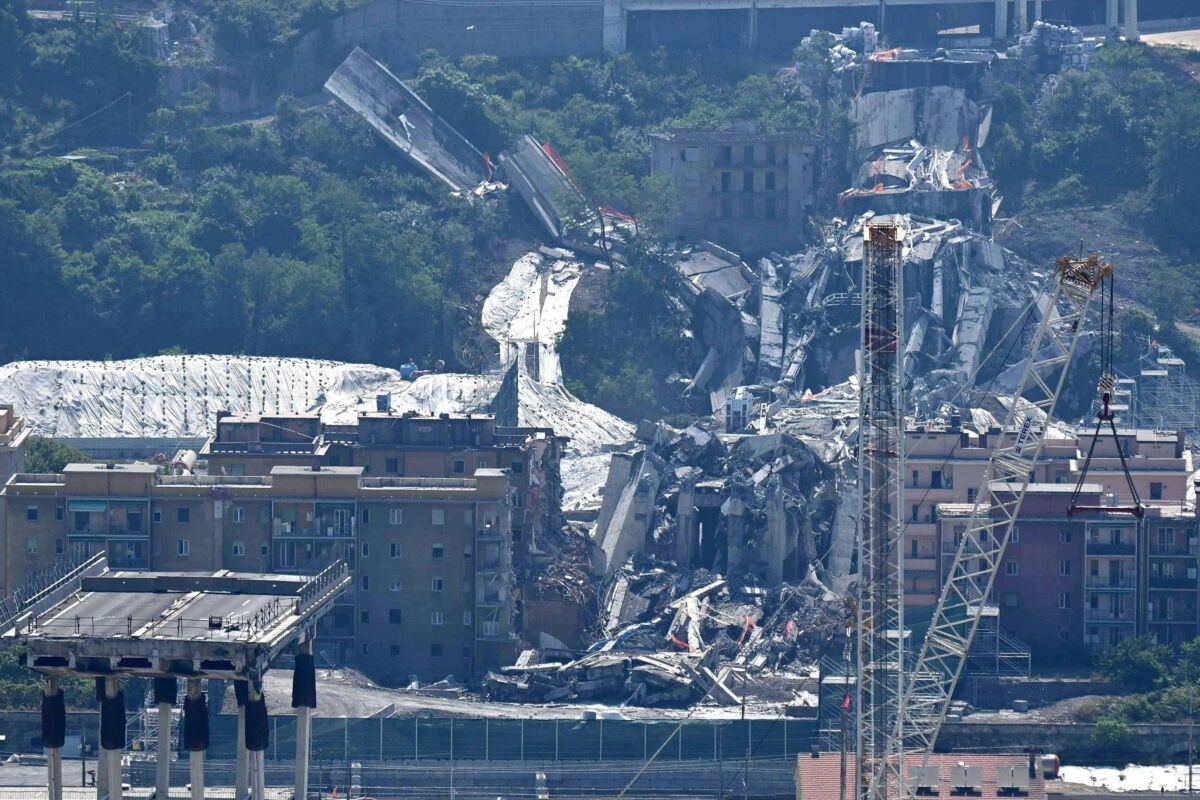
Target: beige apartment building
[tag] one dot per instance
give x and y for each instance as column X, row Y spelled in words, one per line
column 433, row 591
column 386, row 444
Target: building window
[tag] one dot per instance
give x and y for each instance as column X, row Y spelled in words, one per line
column 392, row 465
column 481, row 462
column 437, row 551
column 460, row 466
column 435, row 618
column 183, row 548
column 1063, row 635
column 517, row 535
column 183, row 515
column 1064, row 567
column 467, row 550
column 364, row 583
column 439, row 517
column 58, row 514
column 395, row 584
column 726, row 208
column 31, row 514
column 748, row 154
column 916, row 512
column 366, row 516
column 31, row 546
column 1064, row 536
column 264, row 550
column 726, row 181
column 466, row 651
column 1012, row 568
column 971, row 495
column 518, row 467
column 518, row 500
column 396, row 550
column 1015, row 536
column 769, row 208
column 239, row 549
column 1168, row 570
column 490, row 627
column 1064, row 600
column 364, row 617
column 1166, row 537
column 1155, row 490
column 770, row 153
column 467, row 618
column 239, row 515
column 60, row 547
column 157, row 515
column 725, row 154
column 438, row 583
column 366, row 649
column 748, row 180
column 394, row 649
column 1011, row 600
column 435, row 649
column 396, row 516
column 366, row 549
column 395, row 616
column 770, row 181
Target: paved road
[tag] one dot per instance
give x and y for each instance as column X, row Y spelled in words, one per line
column 1189, row 39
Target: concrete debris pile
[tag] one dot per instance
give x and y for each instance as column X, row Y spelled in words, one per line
column 748, row 506
column 1056, row 47
column 675, row 638
column 914, row 179
column 961, row 291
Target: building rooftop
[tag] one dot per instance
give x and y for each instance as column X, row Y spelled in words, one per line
column 819, row 778
column 288, row 469
column 130, row 469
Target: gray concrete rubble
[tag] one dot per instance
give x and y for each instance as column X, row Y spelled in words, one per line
column 674, row 637
column 399, row 115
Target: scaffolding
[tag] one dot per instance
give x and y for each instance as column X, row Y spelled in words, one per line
column 1168, row 400
column 880, row 618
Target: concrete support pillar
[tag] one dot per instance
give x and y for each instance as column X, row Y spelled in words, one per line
column 258, row 773
column 196, row 757
column 1131, row 20
column 1001, row 32
column 752, row 30
column 162, row 778
column 241, row 777
column 1037, row 10
column 112, row 758
column 303, row 699
column 1022, row 16
column 1112, row 18
column 53, row 723
column 615, row 21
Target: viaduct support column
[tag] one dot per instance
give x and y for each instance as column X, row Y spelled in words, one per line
column 1037, row 10
column 241, row 779
column 304, row 700
column 614, row 23
column 112, row 736
column 258, row 738
column 1112, row 19
column 1022, row 16
column 54, row 732
column 195, row 734
column 1001, row 32
column 1131, row 20
column 752, row 38
column 165, row 690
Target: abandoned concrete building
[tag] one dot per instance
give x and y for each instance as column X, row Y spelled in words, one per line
column 745, row 188
column 431, row 557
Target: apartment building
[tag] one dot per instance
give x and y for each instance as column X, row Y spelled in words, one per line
column 387, row 444
column 945, row 465
column 433, row 591
column 745, row 188
column 13, row 434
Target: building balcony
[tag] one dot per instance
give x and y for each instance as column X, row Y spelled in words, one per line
column 1181, row 549
column 108, row 532
column 1109, row 549
column 287, row 530
column 1111, row 582
column 1174, row 583
column 1123, row 616
column 1173, row 619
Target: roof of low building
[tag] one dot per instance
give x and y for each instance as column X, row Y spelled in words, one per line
column 819, row 778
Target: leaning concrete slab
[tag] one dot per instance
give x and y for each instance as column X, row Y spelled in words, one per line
column 398, row 114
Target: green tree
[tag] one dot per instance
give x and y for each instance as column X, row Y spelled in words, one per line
column 1111, row 735
column 47, row 455
column 1137, row 663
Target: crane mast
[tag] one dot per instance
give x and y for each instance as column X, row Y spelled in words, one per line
column 880, row 599
column 929, row 685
